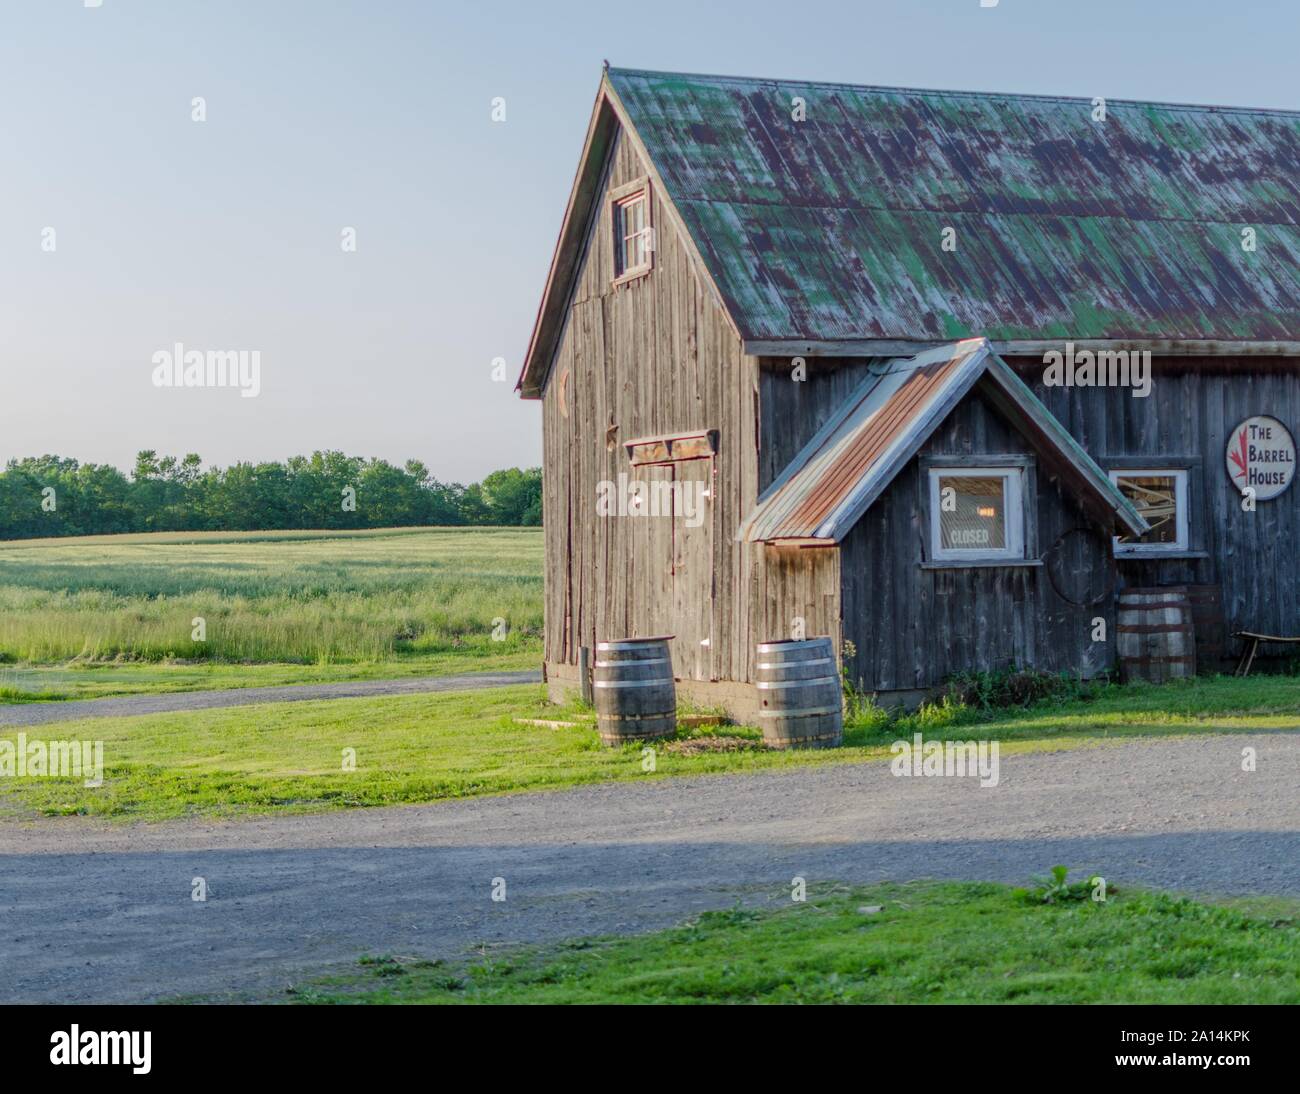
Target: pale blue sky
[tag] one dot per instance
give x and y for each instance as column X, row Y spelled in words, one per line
column 376, row 115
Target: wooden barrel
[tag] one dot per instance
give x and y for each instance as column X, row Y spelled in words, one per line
column 1154, row 635
column 632, row 683
column 800, row 701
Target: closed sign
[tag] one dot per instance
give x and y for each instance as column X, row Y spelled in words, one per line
column 1261, row 455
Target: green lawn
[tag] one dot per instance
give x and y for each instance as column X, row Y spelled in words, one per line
column 928, row 943
column 111, row 615
column 420, row 748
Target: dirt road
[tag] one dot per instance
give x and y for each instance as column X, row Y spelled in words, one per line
column 97, row 912
column 34, row 714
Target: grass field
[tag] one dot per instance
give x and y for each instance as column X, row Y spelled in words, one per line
column 928, row 942
column 106, row 615
column 287, row 757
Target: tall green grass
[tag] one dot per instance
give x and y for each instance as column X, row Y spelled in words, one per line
column 270, row 597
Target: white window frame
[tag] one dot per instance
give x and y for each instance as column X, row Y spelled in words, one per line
column 1181, row 515
column 1013, row 486
column 638, row 190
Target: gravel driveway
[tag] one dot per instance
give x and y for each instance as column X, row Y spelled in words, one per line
column 94, row 912
column 35, row 714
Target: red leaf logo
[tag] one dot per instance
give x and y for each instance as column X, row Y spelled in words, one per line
column 1239, row 457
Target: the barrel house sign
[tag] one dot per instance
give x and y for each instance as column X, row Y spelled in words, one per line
column 1261, row 457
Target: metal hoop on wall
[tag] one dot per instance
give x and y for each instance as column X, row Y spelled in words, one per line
column 1057, row 550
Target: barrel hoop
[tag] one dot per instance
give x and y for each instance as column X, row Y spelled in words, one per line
column 652, row 717
column 775, row 684
column 644, row 661
column 778, row 741
column 787, row 664
column 797, row 713
column 1151, row 605
column 644, row 735
column 634, row 643
column 1154, row 628
column 799, row 644
column 660, row 683
column 630, row 738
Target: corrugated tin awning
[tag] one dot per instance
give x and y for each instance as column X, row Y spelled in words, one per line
column 883, row 424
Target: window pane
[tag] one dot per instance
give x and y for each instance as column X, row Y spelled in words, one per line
column 1156, row 498
column 630, row 232
column 973, row 516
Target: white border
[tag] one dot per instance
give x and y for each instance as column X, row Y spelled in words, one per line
column 1179, row 546
column 1012, row 510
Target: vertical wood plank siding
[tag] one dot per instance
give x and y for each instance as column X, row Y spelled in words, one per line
column 1194, row 404
column 915, row 626
column 792, row 410
column 652, row 356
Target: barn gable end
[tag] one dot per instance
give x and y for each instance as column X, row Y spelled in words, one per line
column 651, row 357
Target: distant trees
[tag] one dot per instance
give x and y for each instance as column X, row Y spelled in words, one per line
column 56, row 496
column 516, row 495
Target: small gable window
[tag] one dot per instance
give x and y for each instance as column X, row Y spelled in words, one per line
column 633, row 232
column 976, row 514
column 1160, row 495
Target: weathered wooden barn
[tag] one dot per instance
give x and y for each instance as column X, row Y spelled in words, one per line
column 934, row 373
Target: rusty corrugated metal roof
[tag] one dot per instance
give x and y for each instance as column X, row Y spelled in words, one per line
column 863, row 445
column 830, row 228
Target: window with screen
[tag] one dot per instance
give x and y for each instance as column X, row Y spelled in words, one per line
column 976, row 514
column 1160, row 496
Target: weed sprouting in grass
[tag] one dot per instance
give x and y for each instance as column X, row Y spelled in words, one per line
column 1056, row 888
column 1003, row 688
column 383, row 965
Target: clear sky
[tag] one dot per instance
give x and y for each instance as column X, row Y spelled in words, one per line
column 376, row 115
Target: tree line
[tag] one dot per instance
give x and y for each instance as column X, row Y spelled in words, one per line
column 56, row 496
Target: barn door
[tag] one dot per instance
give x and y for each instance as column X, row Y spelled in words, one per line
column 652, row 556
column 693, row 592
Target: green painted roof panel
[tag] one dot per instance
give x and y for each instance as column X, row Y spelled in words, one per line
column 831, row 228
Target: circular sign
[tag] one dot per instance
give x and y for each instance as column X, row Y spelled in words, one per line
column 1261, row 455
